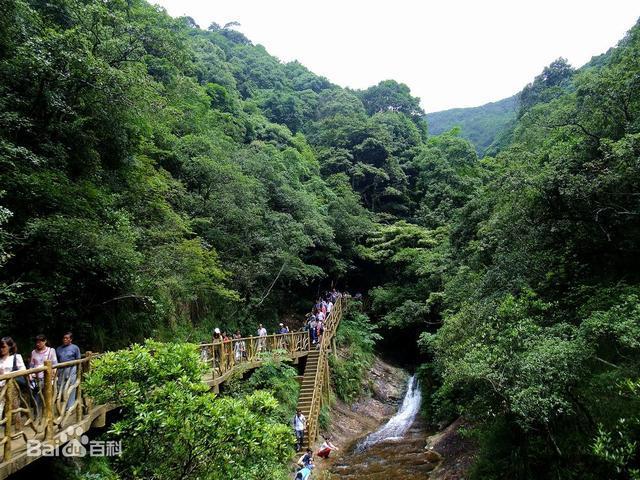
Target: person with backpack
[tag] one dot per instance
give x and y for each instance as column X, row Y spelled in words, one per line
column 306, row 465
column 299, row 425
column 11, row 361
column 306, row 459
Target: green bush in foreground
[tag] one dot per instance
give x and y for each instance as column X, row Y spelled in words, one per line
column 172, row 427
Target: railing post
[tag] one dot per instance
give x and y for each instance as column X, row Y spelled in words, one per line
column 223, row 358
column 213, row 360
column 327, row 380
column 79, row 374
column 89, row 402
column 8, row 415
column 48, row 400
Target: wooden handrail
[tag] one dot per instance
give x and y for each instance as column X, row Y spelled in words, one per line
column 322, row 372
column 59, row 401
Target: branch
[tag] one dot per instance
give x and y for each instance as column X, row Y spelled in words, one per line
column 606, row 362
column 581, row 127
column 141, row 298
column 272, row 284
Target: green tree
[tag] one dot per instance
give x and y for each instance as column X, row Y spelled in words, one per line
column 173, row 428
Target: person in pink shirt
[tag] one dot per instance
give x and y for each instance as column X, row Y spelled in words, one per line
column 39, row 355
column 42, row 353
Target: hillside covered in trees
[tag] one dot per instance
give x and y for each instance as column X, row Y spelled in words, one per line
column 159, row 179
column 482, row 125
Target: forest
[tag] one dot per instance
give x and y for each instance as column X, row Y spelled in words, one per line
column 159, row 179
column 483, row 126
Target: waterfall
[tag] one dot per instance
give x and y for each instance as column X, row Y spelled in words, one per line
column 398, row 425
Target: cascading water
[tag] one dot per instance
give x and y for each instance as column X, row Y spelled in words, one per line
column 398, row 425
column 394, row 451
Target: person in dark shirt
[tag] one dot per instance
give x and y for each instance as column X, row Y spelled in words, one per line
column 67, row 376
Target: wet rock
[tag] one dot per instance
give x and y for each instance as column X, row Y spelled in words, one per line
column 349, row 423
column 433, row 456
column 456, row 451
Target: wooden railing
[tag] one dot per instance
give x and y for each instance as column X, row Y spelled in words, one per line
column 42, row 414
column 57, row 401
column 225, row 356
column 321, row 383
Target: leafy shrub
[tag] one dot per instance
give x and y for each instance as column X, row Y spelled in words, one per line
column 277, row 378
column 173, row 427
column 356, row 339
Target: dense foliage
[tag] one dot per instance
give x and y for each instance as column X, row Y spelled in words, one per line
column 149, row 185
column 539, row 297
column 159, row 179
column 172, row 427
column 355, row 339
column 482, row 125
column 275, row 377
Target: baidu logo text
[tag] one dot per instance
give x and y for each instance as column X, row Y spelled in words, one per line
column 75, row 445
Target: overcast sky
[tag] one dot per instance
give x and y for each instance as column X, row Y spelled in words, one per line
column 451, row 53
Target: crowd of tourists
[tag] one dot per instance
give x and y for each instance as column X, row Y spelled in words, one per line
column 65, row 376
column 32, row 385
column 315, row 321
column 11, row 360
column 305, row 462
column 314, row 324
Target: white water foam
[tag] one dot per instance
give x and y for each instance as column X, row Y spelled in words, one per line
column 398, row 425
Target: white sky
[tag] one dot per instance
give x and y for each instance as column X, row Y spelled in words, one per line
column 457, row 53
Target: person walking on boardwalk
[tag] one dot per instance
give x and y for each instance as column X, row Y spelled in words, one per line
column 67, row 376
column 39, row 355
column 262, row 341
column 11, row 361
column 239, row 349
column 299, row 425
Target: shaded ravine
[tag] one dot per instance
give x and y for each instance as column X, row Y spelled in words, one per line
column 396, row 450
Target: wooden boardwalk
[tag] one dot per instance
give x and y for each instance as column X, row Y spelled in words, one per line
column 61, row 412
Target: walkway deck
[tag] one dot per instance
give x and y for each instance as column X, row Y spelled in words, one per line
column 61, row 411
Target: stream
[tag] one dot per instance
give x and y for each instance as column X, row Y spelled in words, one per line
column 394, row 451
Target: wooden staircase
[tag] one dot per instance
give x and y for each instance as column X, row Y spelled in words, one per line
column 308, row 384
column 315, row 380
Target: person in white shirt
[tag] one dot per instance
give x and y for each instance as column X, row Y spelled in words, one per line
column 299, row 425
column 10, row 360
column 326, row 448
column 262, row 341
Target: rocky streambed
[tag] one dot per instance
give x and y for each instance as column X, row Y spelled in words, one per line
column 415, row 453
